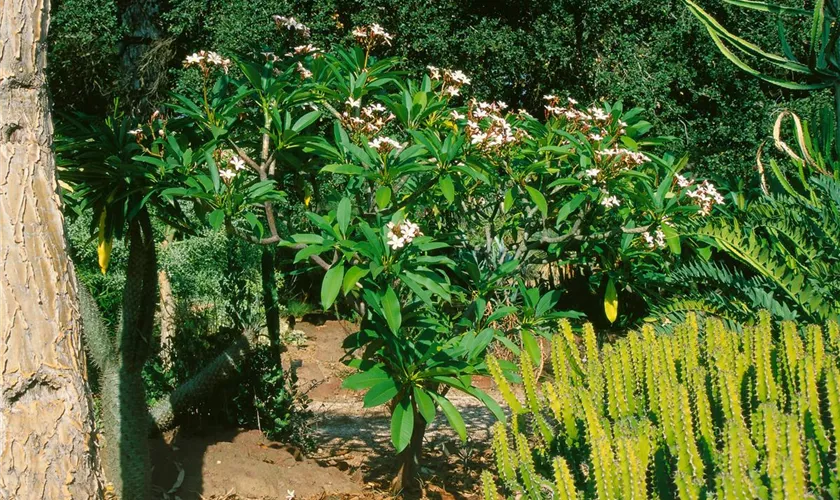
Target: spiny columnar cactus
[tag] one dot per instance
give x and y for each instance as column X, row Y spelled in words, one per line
column 705, row 412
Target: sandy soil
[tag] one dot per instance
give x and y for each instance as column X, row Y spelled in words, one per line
column 353, row 459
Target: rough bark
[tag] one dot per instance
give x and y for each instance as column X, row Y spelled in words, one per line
column 144, row 56
column 167, row 319
column 47, row 448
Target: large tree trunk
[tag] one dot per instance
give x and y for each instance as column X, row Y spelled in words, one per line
column 46, row 422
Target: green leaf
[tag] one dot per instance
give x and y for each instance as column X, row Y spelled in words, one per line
column 308, row 239
column 343, row 215
column 306, row 120
column 353, row 275
column 672, row 238
column 216, row 218
column 402, row 424
column 611, row 301
column 425, row 405
column 381, row 393
column 529, row 343
column 331, row 285
column 363, row 380
column 447, row 187
column 348, row 169
column 309, row 251
column 214, row 171
column 383, row 197
column 539, row 200
column 452, row 415
column 391, row 309
column 508, row 203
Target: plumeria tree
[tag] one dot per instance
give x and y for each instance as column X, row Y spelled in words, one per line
column 446, row 202
column 429, row 212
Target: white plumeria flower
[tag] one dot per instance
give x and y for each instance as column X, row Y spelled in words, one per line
column 136, row 131
column 227, row 174
column 656, row 240
column 399, row 235
column 457, row 116
column 214, row 58
column 434, row 72
column 354, row 103
column 682, row 181
column 304, row 73
column 238, row 163
column 706, row 196
column 459, row 77
column 385, row 144
column 596, row 137
column 572, row 101
column 550, row 97
column 195, row 58
column 290, row 494
column 611, row 201
column 306, row 49
column 593, row 172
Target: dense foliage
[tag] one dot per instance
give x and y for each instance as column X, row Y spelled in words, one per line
column 446, row 226
column 705, row 412
column 648, row 54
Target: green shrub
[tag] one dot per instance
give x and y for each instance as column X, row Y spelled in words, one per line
column 704, row 412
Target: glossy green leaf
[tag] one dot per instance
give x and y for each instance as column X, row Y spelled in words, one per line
column 343, row 214
column 391, row 309
column 216, row 218
column 352, row 276
column 425, row 405
column 452, row 415
column 402, row 424
column 331, row 285
column 381, row 393
column 383, row 197
column 538, row 200
column 447, row 187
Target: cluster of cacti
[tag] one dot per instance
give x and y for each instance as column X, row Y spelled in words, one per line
column 701, row 413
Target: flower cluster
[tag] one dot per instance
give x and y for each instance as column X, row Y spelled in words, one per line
column 683, row 182
column 304, row 50
column 486, row 128
column 303, row 71
column 625, row 157
column 452, row 80
column 371, row 36
column 611, row 201
column 370, row 120
column 595, row 121
column 292, row 24
column 234, row 166
column 706, row 196
column 385, row 145
column 655, row 240
column 399, row 235
column 206, row 60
